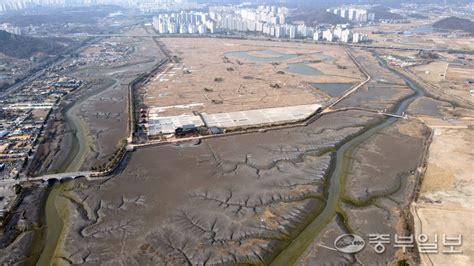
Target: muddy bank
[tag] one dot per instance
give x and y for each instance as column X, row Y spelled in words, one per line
column 104, row 115
column 81, row 141
column 345, row 156
column 390, row 156
column 234, row 199
column 321, row 251
column 19, row 231
column 388, row 162
column 85, row 130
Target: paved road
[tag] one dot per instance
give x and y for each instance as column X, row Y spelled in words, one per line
column 263, row 38
column 39, row 73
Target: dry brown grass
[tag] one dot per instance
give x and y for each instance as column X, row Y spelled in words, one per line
column 224, row 83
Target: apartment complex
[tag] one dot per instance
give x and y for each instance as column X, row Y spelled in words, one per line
column 355, row 14
column 267, row 20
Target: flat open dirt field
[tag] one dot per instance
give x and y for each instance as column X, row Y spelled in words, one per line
column 435, row 71
column 218, row 75
column 460, row 73
column 392, row 35
column 432, row 72
column 445, row 205
column 456, row 81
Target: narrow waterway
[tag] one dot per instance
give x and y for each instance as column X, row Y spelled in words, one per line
column 81, row 141
column 55, row 206
column 337, row 181
column 56, row 209
column 55, row 213
column 78, row 146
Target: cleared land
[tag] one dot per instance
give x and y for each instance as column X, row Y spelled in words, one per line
column 218, row 76
column 459, row 73
column 445, row 204
column 449, row 78
column 450, row 96
column 416, row 33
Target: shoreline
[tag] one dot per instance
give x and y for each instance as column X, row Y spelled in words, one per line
column 292, row 252
column 82, row 140
column 51, row 215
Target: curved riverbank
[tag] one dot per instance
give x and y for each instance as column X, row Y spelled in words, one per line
column 337, row 180
column 81, row 141
column 54, row 215
column 55, row 209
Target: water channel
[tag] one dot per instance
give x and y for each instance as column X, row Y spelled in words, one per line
column 418, row 30
column 56, row 213
column 56, row 208
column 337, row 181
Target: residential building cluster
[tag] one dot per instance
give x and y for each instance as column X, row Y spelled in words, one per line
column 353, row 13
column 267, row 20
column 184, row 23
column 237, row 18
column 10, row 28
column 221, row 19
column 106, row 53
column 340, row 33
column 23, row 115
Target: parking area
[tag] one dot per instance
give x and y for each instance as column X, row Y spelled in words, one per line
column 266, row 116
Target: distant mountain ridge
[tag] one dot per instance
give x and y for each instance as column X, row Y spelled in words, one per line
column 315, row 17
column 24, row 47
column 455, row 23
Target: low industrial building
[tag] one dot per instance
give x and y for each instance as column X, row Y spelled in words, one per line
column 172, row 125
column 168, row 124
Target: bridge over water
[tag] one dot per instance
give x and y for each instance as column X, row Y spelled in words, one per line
column 64, row 176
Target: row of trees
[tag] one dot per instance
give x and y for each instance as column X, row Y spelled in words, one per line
column 113, row 160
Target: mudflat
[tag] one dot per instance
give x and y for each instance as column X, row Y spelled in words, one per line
column 233, row 199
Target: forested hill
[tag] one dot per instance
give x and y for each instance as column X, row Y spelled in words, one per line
column 24, row 47
column 455, row 23
column 315, row 17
